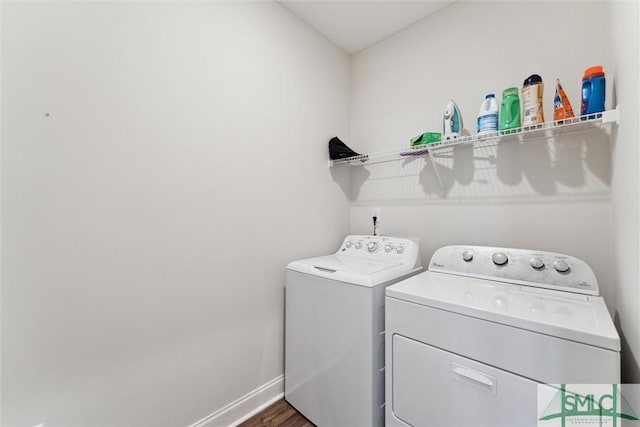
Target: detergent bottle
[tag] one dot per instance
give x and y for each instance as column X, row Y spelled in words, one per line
column 510, row 110
column 488, row 116
column 593, row 91
column 561, row 105
column 532, row 89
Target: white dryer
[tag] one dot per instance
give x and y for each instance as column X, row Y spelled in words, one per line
column 469, row 341
column 334, row 329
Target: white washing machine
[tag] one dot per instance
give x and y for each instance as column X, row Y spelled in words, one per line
column 469, row 341
column 334, row 329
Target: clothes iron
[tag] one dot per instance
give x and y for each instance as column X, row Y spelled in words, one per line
column 451, row 122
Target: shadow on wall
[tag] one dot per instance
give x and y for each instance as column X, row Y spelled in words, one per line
column 546, row 164
column 630, row 368
column 571, row 167
column 614, row 128
column 340, row 176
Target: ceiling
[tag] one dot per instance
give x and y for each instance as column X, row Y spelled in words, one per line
column 356, row 25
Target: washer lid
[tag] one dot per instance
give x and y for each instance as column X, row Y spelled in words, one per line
column 352, row 269
column 353, row 265
column 576, row 317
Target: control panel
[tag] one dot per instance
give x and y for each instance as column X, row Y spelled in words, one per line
column 381, row 247
column 519, row 266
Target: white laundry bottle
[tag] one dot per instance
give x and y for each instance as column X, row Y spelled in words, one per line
column 488, row 116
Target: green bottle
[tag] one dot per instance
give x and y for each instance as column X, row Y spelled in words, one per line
column 510, row 109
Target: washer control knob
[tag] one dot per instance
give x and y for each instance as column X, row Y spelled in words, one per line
column 372, row 246
column 467, row 255
column 499, row 258
column 349, row 244
column 400, row 249
column 561, row 266
column 388, row 248
column 536, row 262
column 358, row 244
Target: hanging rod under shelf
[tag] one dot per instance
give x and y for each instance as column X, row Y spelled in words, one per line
column 543, row 130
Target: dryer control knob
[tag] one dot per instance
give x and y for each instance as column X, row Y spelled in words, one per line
column 358, row 245
column 372, row 246
column 561, row 266
column 349, row 244
column 467, row 255
column 388, row 248
column 536, row 262
column 400, row 249
column 499, row 258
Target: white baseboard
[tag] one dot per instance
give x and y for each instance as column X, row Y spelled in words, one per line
column 245, row 407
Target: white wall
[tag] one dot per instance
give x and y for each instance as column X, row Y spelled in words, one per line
column 550, row 195
column 623, row 18
column 147, row 221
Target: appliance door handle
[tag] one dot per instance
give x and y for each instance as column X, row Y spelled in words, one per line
column 324, row 270
column 468, row 375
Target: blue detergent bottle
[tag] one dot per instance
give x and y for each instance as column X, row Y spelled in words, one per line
column 593, row 92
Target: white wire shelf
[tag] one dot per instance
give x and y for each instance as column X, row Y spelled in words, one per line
column 543, row 130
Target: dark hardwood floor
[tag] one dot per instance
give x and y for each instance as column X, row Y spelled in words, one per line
column 280, row 414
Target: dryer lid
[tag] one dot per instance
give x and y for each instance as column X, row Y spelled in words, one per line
column 576, row 317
